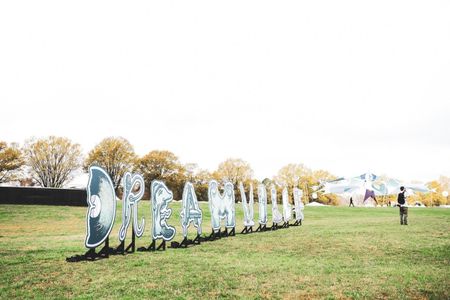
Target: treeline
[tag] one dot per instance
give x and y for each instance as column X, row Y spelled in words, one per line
column 51, row 162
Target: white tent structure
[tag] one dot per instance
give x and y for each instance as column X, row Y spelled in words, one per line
column 366, row 187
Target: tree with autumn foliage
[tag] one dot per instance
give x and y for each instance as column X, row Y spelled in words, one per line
column 234, row 170
column 436, row 197
column 115, row 155
column 298, row 175
column 11, row 161
column 200, row 179
column 294, row 175
column 52, row 160
column 165, row 166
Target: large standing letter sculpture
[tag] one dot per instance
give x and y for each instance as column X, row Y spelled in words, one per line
column 190, row 211
column 277, row 218
column 101, row 213
column 287, row 209
column 221, row 206
column 262, row 200
column 161, row 197
column 130, row 204
column 248, row 208
column 298, row 206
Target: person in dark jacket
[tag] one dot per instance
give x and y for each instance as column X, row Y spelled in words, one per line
column 401, row 199
column 351, row 202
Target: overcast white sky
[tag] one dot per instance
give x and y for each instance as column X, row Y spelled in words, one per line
column 346, row 86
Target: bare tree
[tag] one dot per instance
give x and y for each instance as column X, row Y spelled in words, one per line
column 52, row 160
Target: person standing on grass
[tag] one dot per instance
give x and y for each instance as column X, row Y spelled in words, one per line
column 401, row 199
column 351, row 202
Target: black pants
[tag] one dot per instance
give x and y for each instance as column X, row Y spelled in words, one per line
column 403, row 215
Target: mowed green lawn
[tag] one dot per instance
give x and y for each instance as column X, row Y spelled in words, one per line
column 339, row 252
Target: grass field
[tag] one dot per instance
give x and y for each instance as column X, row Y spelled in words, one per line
column 339, row 252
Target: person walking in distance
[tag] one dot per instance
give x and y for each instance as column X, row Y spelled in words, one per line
column 401, row 199
column 351, row 202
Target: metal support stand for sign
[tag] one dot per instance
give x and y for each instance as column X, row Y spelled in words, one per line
column 152, row 247
column 187, row 242
column 247, row 229
column 121, row 249
column 184, row 243
column 197, row 240
column 232, row 232
column 225, row 233
column 162, row 245
column 214, row 235
column 261, row 228
column 132, row 246
column 297, row 223
column 91, row 255
column 104, row 252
